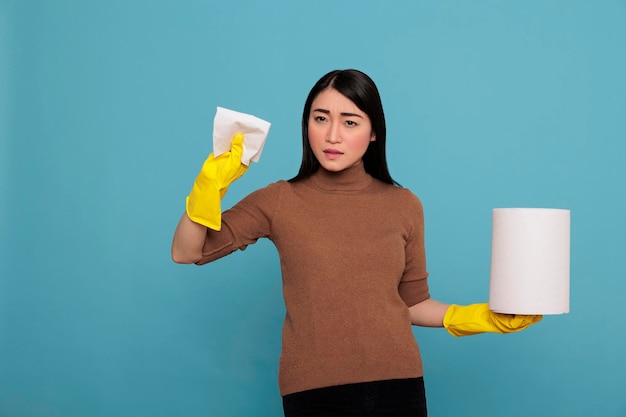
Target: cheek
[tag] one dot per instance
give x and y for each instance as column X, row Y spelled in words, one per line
column 315, row 135
column 362, row 141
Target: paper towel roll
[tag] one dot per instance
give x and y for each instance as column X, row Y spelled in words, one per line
column 530, row 261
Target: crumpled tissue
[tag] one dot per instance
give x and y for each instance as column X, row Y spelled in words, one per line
column 227, row 123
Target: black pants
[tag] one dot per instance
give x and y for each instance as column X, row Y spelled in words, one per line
column 393, row 398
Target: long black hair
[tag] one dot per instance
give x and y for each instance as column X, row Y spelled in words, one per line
column 361, row 90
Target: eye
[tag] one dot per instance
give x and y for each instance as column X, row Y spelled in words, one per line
column 351, row 123
column 319, row 118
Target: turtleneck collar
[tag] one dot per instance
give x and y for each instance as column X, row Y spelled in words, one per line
column 350, row 179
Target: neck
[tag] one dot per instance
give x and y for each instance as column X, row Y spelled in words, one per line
column 352, row 178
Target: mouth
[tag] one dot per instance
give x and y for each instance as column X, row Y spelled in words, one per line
column 332, row 152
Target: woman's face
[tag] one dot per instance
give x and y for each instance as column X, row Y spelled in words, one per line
column 339, row 132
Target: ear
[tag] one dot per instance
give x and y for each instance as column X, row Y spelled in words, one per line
column 373, row 137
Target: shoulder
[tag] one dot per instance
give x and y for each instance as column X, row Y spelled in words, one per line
column 261, row 197
column 399, row 195
column 271, row 188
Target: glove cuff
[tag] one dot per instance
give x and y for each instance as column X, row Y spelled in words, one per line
column 205, row 208
column 449, row 323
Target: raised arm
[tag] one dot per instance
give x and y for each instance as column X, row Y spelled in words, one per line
column 203, row 205
column 188, row 241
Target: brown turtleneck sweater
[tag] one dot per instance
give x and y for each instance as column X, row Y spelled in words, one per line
column 352, row 258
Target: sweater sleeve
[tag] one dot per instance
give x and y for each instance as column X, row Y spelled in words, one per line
column 413, row 286
column 243, row 224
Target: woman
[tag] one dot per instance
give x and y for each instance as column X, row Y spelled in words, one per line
column 351, row 248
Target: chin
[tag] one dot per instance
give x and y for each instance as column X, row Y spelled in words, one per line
column 333, row 168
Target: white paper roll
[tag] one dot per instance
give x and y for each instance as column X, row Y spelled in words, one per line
column 530, row 261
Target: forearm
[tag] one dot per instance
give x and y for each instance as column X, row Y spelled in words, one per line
column 188, row 241
column 428, row 313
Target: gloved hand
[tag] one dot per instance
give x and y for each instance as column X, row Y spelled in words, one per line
column 477, row 318
column 204, row 201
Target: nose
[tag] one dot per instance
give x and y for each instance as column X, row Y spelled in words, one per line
column 334, row 135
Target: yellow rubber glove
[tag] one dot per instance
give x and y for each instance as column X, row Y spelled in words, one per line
column 477, row 318
column 204, row 201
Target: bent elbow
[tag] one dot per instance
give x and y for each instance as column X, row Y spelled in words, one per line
column 180, row 257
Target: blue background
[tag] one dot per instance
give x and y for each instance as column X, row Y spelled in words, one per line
column 106, row 112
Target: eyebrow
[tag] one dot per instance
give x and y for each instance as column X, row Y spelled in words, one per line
column 342, row 114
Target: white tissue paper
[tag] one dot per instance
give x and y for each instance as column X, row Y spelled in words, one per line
column 229, row 122
column 530, row 261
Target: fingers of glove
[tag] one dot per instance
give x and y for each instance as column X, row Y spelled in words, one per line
column 532, row 319
column 236, row 147
column 508, row 323
column 232, row 168
column 236, row 153
column 224, row 169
